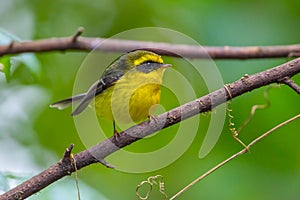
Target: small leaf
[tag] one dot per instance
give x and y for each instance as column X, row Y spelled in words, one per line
column 28, row 60
column 1, row 67
column 11, row 63
column 5, row 67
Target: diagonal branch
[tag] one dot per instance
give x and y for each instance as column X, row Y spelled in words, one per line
column 78, row 43
column 109, row 146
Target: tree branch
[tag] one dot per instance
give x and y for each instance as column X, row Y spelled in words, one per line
column 108, row 146
column 289, row 82
column 76, row 42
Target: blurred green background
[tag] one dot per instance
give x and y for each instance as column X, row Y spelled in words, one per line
column 36, row 135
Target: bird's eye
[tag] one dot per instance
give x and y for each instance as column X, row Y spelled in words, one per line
column 148, row 62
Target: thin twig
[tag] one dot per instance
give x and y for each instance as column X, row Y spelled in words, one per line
column 254, row 108
column 289, row 82
column 231, row 125
column 293, row 54
column 243, row 151
column 67, row 154
column 77, row 34
column 75, row 42
column 76, row 176
column 273, row 129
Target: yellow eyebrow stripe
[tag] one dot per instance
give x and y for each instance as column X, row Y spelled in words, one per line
column 147, row 57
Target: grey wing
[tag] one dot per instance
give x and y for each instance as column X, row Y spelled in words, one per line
column 96, row 88
column 107, row 80
column 111, row 75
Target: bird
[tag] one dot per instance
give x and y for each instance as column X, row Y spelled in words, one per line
column 126, row 91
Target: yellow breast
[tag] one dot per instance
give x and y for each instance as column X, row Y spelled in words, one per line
column 131, row 98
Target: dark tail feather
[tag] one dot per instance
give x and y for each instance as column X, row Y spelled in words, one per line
column 95, row 89
column 62, row 104
column 82, row 105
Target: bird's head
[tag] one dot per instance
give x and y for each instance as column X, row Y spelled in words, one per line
column 144, row 61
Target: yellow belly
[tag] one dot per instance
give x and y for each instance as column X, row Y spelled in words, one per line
column 131, row 98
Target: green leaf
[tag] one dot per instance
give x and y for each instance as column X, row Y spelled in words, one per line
column 5, row 67
column 10, row 64
column 29, row 61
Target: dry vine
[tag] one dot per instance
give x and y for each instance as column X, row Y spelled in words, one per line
column 243, row 151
